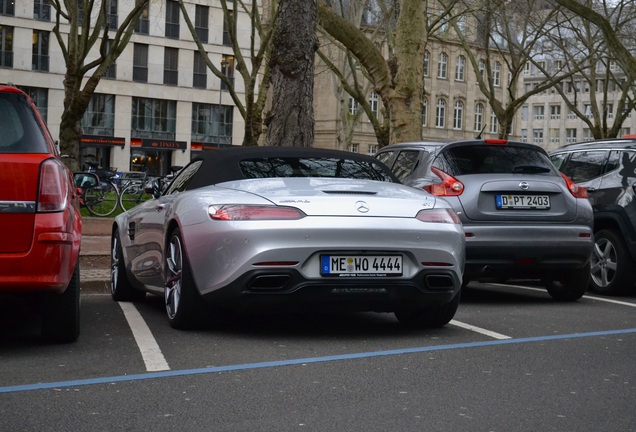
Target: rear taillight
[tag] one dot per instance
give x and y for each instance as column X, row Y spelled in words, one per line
column 449, row 186
column 53, row 195
column 441, row 215
column 254, row 212
column 576, row 190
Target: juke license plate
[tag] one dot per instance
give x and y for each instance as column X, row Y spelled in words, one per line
column 532, row 202
column 361, row 265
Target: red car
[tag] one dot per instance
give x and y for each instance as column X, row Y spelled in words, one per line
column 39, row 213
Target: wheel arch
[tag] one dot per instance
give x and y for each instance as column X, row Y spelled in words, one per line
column 611, row 221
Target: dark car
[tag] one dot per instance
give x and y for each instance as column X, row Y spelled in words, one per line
column 607, row 168
column 522, row 218
column 39, row 213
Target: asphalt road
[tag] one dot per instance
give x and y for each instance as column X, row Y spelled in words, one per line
column 512, row 360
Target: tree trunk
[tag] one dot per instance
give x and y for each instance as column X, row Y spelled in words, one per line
column 290, row 122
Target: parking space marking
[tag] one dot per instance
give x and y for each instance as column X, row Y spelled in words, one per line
column 150, row 351
column 304, row 361
column 480, row 330
column 601, row 299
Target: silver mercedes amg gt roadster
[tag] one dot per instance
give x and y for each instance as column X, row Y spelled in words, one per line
column 264, row 229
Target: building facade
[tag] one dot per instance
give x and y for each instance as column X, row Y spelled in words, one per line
column 158, row 106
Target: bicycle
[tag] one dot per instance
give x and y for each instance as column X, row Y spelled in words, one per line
column 101, row 199
column 136, row 193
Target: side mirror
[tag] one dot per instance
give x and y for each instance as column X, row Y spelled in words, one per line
column 85, row 180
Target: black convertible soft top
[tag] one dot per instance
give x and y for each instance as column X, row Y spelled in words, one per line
column 238, row 162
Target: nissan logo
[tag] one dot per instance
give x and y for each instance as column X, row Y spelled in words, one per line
column 362, row 207
column 524, row 185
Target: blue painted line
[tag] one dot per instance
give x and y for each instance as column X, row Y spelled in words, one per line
column 279, row 363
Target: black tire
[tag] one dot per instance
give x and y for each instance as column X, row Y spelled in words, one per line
column 612, row 270
column 184, row 306
column 428, row 317
column 61, row 312
column 120, row 287
column 132, row 195
column 568, row 285
column 101, row 200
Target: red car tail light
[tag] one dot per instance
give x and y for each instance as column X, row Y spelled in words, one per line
column 496, row 141
column 449, row 186
column 254, row 212
column 53, row 191
column 576, row 190
column 442, row 215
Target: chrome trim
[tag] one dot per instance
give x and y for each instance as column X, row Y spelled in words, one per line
column 17, row 206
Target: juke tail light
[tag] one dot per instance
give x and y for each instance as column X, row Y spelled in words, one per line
column 53, row 190
column 449, row 186
column 254, row 212
column 576, row 190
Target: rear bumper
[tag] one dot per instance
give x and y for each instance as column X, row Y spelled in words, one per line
column 526, row 250
column 48, row 265
column 288, row 289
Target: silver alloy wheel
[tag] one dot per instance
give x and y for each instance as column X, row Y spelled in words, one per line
column 604, row 262
column 174, row 280
column 114, row 265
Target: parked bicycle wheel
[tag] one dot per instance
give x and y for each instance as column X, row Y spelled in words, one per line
column 132, row 195
column 101, row 200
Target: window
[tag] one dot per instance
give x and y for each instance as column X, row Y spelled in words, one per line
column 440, row 113
column 201, row 18
column 524, row 113
column 40, row 54
column 538, row 111
column 200, row 70
column 171, row 66
column 537, row 136
column 496, row 75
column 424, row 112
column 143, row 24
column 172, row 19
column 111, row 73
column 153, row 118
column 524, row 135
column 609, row 110
column 555, row 112
column 526, row 69
column 481, row 67
column 227, row 68
column 373, row 102
column 40, row 97
column 6, row 46
column 7, row 7
column 427, row 63
column 588, row 111
column 140, row 63
column 99, row 117
column 479, row 116
column 442, row 65
column 555, row 135
column 405, row 163
column 458, row 115
column 227, row 40
column 584, row 166
column 570, row 135
column 373, row 149
column 353, row 106
column 212, row 123
column 111, row 16
column 494, row 123
column 353, row 148
column 41, row 10
column 460, row 68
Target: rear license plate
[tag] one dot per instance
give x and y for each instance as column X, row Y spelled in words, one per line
column 361, row 265
column 533, row 202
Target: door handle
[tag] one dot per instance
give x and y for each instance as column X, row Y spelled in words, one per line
column 160, row 207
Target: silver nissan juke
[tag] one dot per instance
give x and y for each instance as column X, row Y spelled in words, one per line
column 258, row 229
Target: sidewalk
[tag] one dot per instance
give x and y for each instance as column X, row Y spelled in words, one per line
column 95, row 255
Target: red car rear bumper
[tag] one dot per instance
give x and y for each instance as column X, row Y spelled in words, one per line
column 48, row 265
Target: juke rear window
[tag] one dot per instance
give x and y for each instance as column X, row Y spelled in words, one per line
column 20, row 131
column 493, row 159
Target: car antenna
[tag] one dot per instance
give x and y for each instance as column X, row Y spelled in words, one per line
column 481, row 132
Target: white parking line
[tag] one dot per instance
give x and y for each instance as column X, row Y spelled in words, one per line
column 480, row 330
column 150, row 351
column 601, row 299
